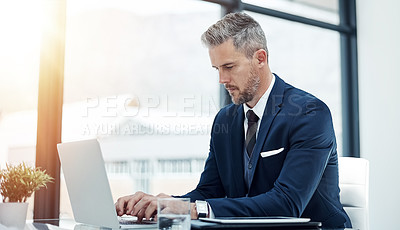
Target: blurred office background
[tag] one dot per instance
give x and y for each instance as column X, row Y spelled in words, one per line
column 136, row 76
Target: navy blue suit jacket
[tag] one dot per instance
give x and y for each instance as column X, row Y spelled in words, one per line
column 300, row 181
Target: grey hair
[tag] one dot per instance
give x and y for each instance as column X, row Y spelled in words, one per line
column 245, row 32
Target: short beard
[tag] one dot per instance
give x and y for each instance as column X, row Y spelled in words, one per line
column 249, row 91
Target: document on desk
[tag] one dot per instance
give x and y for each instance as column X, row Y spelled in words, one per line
column 256, row 220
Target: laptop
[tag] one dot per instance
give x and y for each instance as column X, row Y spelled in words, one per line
column 88, row 187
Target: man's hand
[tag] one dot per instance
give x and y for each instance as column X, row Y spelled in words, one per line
column 139, row 204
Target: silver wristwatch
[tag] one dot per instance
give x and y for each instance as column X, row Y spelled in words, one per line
column 201, row 208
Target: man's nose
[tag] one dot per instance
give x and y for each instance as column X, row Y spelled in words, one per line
column 224, row 77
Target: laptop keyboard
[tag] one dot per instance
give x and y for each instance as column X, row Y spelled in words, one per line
column 130, row 220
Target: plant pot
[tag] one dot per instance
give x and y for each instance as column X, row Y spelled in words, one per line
column 13, row 214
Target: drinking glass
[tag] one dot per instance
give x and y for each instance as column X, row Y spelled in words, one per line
column 173, row 213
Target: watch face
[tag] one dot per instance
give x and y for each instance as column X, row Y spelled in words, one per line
column 202, row 208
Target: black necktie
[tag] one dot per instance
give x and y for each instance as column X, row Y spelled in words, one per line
column 251, row 131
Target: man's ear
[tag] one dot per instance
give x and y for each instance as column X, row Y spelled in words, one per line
column 261, row 57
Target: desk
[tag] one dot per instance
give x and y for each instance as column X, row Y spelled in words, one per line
column 69, row 224
column 197, row 224
column 50, row 224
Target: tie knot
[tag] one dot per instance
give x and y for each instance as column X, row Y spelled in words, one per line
column 251, row 116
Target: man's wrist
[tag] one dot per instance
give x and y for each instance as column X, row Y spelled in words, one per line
column 193, row 211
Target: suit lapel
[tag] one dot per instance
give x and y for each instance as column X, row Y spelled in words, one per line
column 271, row 110
column 237, row 140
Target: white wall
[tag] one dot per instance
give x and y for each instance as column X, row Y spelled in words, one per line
column 379, row 82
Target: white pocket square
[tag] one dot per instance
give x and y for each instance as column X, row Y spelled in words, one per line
column 271, row 153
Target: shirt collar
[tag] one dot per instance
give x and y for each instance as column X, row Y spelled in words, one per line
column 260, row 106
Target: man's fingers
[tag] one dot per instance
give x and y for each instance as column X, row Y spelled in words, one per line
column 120, row 205
column 131, row 204
column 142, row 204
column 135, row 199
column 151, row 209
column 139, row 216
column 124, row 205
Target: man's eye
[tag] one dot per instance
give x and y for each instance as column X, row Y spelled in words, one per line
column 229, row 66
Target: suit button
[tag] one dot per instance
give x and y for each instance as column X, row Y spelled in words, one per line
column 250, row 165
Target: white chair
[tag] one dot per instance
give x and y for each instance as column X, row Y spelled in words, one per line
column 354, row 187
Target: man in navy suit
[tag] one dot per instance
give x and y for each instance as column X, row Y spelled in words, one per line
column 272, row 152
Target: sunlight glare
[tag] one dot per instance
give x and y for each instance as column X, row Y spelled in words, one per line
column 20, row 26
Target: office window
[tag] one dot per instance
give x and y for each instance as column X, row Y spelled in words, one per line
column 308, row 58
column 179, row 166
column 322, row 10
column 138, row 78
column 20, row 23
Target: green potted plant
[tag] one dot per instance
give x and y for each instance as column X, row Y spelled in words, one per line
column 17, row 183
